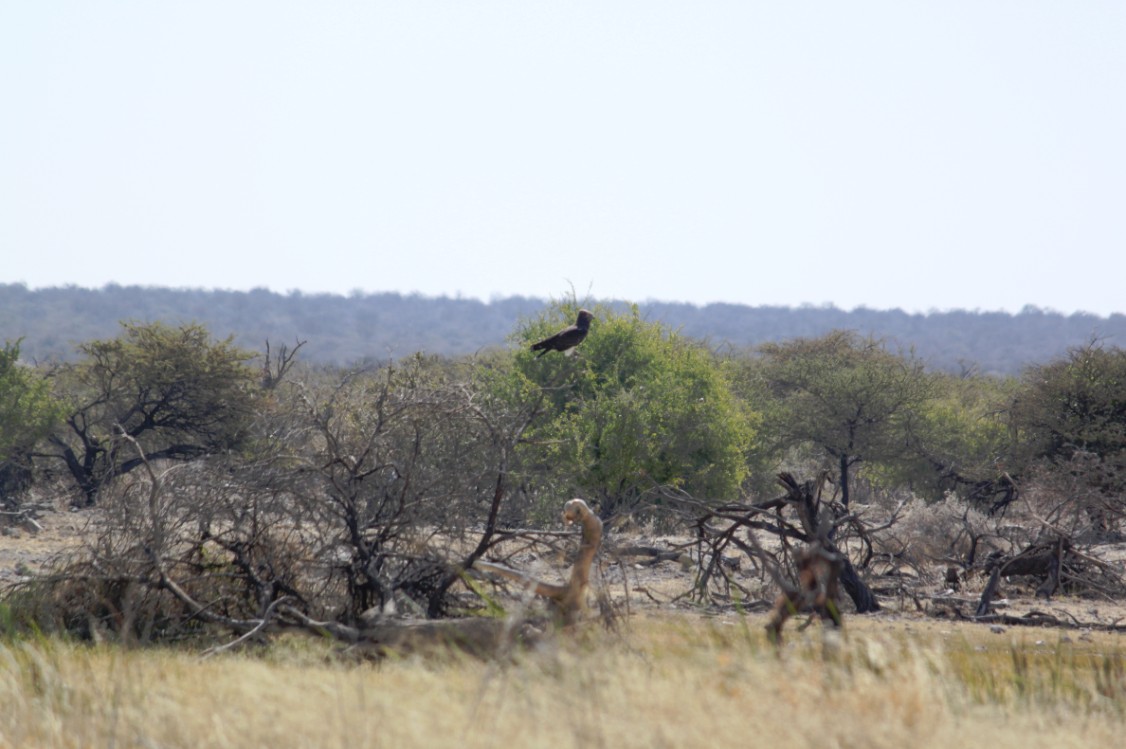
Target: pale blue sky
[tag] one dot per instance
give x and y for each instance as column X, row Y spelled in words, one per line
column 920, row 155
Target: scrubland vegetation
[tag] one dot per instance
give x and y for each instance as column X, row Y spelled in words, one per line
column 257, row 522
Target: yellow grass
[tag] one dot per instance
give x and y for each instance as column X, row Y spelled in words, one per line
column 667, row 682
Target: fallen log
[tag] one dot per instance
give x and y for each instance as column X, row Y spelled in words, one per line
column 652, row 555
column 1040, row 619
column 1045, row 559
column 479, row 636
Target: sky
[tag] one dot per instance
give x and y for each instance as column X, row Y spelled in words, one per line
column 926, row 156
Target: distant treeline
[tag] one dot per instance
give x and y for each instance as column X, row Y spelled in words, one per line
column 344, row 330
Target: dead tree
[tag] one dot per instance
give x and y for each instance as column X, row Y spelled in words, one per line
column 276, row 366
column 807, row 498
column 812, row 525
column 1059, row 563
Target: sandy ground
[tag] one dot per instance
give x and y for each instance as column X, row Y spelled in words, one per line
column 28, row 547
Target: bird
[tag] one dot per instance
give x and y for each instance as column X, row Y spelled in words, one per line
column 568, row 338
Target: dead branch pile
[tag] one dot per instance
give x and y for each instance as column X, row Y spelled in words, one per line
column 334, row 547
column 796, row 521
column 1058, row 564
column 162, row 593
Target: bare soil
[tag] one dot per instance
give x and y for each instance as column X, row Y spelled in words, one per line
column 30, row 546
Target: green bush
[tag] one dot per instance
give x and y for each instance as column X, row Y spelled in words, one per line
column 27, row 414
column 635, row 409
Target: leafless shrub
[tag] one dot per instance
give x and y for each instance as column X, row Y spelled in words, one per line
column 950, row 531
column 367, row 493
column 805, row 515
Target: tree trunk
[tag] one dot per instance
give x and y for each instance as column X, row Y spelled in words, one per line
column 844, row 480
column 861, row 595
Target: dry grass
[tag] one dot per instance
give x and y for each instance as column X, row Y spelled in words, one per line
column 671, row 681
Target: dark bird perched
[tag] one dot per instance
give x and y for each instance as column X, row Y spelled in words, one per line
column 569, row 337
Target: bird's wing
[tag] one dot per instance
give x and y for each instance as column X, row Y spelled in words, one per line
column 552, row 340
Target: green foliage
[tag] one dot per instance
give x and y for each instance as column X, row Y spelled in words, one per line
column 848, row 397
column 27, row 414
column 27, row 411
column 175, row 390
column 962, row 436
column 1076, row 406
column 1074, row 403
column 633, row 409
column 170, row 382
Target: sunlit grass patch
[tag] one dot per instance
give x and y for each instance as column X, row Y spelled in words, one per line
column 674, row 680
column 1041, row 670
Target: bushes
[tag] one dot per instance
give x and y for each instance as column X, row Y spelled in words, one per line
column 1070, row 418
column 848, row 398
column 27, row 414
column 354, row 494
column 635, row 409
column 176, row 390
column 349, row 494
